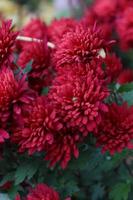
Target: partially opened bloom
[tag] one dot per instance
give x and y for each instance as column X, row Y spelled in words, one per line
column 7, row 42
column 115, row 131
column 79, row 46
column 40, row 124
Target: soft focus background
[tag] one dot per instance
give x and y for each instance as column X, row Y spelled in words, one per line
column 22, row 10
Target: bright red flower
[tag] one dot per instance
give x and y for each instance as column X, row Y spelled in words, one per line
column 124, row 27
column 7, row 42
column 79, row 46
column 115, row 131
column 79, row 95
column 113, row 66
column 36, row 28
column 40, row 124
column 126, row 76
column 105, row 9
column 59, row 27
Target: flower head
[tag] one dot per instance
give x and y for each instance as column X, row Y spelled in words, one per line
column 116, row 129
column 79, row 95
column 38, row 129
column 79, row 46
column 7, row 42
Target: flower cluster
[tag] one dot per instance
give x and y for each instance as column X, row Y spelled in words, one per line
column 54, row 116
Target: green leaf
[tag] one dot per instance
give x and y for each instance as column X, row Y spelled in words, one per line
column 120, row 191
column 126, row 87
column 97, row 192
column 26, row 170
column 45, row 91
column 7, row 177
column 128, row 97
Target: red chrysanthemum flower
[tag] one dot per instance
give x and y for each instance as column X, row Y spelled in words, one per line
column 59, row 27
column 36, row 28
column 90, row 18
column 64, row 146
column 105, row 9
column 79, row 46
column 41, row 192
column 39, row 54
column 126, row 76
column 7, row 42
column 113, row 66
column 116, row 129
column 79, row 95
column 39, row 127
column 14, row 95
column 124, row 27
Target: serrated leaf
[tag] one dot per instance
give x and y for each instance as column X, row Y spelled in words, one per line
column 120, row 191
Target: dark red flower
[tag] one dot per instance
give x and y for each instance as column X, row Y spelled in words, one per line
column 124, row 27
column 38, row 129
column 79, row 46
column 59, row 27
column 126, row 76
column 7, row 42
column 115, row 131
column 113, row 66
column 79, row 95
column 64, row 146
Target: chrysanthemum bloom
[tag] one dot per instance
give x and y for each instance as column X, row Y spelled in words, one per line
column 39, row 54
column 64, row 147
column 41, row 192
column 105, row 9
column 126, row 76
column 79, row 46
column 116, row 129
column 14, row 95
column 7, row 42
column 79, row 96
column 113, row 66
column 36, row 28
column 39, row 127
column 124, row 27
column 59, row 27
column 90, row 18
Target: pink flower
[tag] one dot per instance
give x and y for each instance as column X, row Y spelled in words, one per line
column 126, row 76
